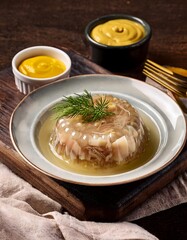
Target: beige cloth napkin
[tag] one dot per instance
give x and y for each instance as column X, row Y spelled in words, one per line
column 27, row 214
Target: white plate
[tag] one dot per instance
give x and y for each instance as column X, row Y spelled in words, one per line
column 161, row 108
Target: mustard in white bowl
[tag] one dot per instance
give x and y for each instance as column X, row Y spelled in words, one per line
column 39, row 65
column 42, row 67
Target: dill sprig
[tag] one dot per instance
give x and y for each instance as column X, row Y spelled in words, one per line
column 84, row 106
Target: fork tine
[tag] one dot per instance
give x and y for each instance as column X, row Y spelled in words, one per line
column 164, row 83
column 158, row 73
column 166, row 72
column 160, row 67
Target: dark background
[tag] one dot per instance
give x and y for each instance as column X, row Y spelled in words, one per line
column 62, row 23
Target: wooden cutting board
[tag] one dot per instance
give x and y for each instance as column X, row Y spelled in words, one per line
column 109, row 203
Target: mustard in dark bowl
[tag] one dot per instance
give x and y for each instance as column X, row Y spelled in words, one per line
column 118, row 42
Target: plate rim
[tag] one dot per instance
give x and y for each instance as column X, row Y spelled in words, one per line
column 87, row 176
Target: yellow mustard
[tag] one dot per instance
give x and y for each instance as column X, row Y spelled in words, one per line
column 118, row 32
column 42, row 67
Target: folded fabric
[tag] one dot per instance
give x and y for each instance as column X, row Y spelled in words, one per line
column 27, row 214
column 19, row 221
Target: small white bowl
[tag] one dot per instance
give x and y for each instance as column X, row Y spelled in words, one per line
column 26, row 84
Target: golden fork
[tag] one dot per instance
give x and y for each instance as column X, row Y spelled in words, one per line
column 165, row 77
column 171, row 81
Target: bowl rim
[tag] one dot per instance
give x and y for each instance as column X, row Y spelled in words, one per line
column 106, row 18
column 34, row 79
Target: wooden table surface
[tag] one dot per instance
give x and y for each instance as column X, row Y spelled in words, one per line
column 62, row 22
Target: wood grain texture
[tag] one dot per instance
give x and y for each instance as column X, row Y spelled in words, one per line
column 62, row 22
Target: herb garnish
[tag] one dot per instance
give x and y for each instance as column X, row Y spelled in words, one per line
column 84, row 106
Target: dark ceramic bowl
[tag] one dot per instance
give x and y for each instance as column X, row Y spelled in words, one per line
column 119, row 58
